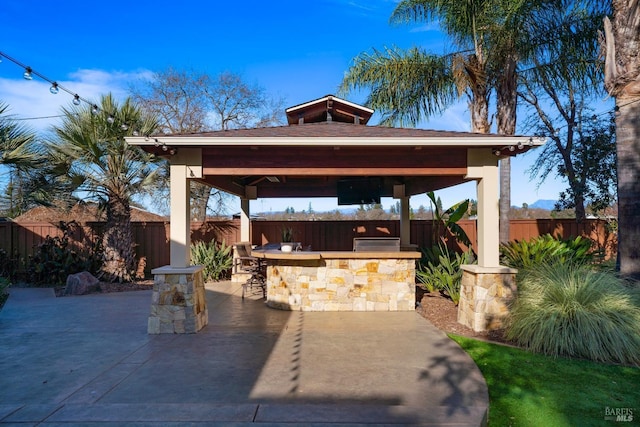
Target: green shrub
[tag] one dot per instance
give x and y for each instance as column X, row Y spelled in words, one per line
column 4, row 286
column 440, row 270
column 54, row 260
column 576, row 311
column 9, row 265
column 525, row 254
column 217, row 259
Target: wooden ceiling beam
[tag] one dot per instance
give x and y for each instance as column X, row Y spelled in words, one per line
column 344, row 171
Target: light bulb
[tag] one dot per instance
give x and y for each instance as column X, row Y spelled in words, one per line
column 110, row 119
column 124, row 126
column 94, row 109
column 54, row 88
column 512, row 148
column 76, row 99
column 27, row 74
column 520, row 145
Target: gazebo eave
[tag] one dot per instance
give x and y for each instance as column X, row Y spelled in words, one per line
column 469, row 142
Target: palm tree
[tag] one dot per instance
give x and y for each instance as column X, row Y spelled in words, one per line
column 20, row 156
column 495, row 38
column 410, row 85
column 622, row 81
column 105, row 168
column 416, row 84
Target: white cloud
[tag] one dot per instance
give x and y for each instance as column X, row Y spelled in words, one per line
column 29, row 99
column 426, row 28
column 456, row 118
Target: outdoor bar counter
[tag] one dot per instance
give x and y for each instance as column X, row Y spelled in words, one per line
column 340, row 281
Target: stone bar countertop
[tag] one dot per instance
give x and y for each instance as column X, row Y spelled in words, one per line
column 309, row 255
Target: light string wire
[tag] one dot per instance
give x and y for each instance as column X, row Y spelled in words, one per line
column 77, row 99
column 54, row 84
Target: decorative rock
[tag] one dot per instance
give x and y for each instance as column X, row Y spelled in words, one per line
column 81, row 283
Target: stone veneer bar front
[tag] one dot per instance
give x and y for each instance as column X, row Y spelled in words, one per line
column 340, row 281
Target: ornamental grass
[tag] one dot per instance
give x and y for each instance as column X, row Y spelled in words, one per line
column 572, row 310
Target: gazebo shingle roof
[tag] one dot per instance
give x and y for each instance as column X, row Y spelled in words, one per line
column 337, row 130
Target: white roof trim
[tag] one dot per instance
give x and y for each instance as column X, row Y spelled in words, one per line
column 201, row 141
column 326, row 98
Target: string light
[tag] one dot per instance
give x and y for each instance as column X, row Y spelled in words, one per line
column 77, row 100
column 56, row 88
column 28, row 73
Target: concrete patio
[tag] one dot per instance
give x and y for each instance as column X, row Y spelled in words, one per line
column 83, row 361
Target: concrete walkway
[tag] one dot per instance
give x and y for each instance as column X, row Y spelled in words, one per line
column 88, row 360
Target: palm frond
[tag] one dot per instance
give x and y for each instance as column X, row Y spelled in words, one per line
column 406, row 86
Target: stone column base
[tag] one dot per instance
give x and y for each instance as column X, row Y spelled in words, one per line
column 178, row 302
column 485, row 295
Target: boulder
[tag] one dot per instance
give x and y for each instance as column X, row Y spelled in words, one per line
column 81, row 283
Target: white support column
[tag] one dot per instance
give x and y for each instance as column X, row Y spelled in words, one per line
column 186, row 164
column 245, row 222
column 405, row 218
column 482, row 165
column 180, row 220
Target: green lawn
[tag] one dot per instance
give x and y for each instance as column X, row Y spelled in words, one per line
column 527, row 389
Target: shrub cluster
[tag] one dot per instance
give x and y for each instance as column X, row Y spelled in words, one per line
column 4, row 293
column 440, row 270
column 9, row 265
column 54, row 260
column 526, row 254
column 217, row 259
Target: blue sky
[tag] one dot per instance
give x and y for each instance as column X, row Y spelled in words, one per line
column 295, row 50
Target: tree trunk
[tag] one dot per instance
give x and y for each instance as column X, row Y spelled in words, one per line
column 507, row 100
column 119, row 254
column 628, row 151
column 200, row 194
column 622, row 80
column 505, row 198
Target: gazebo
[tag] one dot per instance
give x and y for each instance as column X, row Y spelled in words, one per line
column 328, row 150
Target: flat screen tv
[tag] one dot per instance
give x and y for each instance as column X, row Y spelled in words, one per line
column 359, row 191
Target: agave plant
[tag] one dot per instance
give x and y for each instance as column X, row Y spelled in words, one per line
column 440, row 270
column 217, row 259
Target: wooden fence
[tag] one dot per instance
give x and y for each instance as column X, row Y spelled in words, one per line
column 152, row 238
